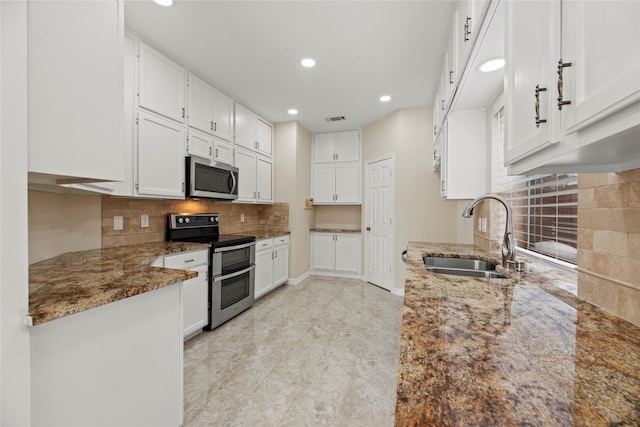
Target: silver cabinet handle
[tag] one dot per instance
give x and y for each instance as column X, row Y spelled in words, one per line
column 211, row 125
column 537, row 93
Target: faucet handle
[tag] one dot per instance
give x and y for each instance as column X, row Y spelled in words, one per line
column 519, row 266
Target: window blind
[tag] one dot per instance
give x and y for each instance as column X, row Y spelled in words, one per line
column 545, row 207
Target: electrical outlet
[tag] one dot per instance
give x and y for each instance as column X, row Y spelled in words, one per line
column 479, row 224
column 241, row 217
column 118, row 223
column 483, row 228
column 144, row 221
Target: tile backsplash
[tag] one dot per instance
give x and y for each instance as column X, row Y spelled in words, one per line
column 609, row 242
column 257, row 218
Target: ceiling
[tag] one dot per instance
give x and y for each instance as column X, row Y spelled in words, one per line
column 252, row 51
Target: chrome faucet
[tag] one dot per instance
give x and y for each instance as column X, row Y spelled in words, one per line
column 508, row 245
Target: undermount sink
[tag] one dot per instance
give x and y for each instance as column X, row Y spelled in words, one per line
column 462, row 267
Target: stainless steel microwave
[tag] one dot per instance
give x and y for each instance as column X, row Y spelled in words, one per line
column 210, row 180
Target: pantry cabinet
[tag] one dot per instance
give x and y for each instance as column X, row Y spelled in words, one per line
column 334, row 147
column 255, row 182
column 336, row 252
column 464, row 166
column 161, row 84
column 75, row 97
column 572, row 88
column 159, row 157
column 336, row 184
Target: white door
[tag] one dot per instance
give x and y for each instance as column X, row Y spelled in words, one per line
column 200, row 104
column 348, row 146
column 223, row 115
column 264, row 272
column 324, row 183
column 347, row 256
column 246, row 164
column 347, row 183
column 378, row 222
column 281, row 264
column 222, row 152
column 324, row 251
column 264, row 178
column 264, row 137
column 324, row 147
column 245, row 127
column 199, row 144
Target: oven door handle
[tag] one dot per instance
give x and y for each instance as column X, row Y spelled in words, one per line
column 232, row 275
column 233, row 248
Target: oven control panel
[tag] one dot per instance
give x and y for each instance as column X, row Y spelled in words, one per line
column 193, row 220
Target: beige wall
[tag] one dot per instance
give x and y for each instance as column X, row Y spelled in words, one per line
column 420, row 213
column 60, row 223
column 345, row 217
column 292, row 158
column 609, row 242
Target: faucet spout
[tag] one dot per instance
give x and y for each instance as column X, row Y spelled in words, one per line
column 508, row 244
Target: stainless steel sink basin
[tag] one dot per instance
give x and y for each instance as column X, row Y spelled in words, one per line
column 487, row 274
column 467, row 264
column 462, row 267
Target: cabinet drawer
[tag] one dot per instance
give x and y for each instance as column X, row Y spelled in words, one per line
column 264, row 244
column 281, row 240
column 186, row 260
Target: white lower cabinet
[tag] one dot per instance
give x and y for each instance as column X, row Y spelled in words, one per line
column 195, row 292
column 336, row 252
column 272, row 264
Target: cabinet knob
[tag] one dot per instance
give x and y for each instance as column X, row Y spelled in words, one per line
column 368, row 228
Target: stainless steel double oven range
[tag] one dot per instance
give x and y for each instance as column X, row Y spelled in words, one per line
column 231, row 263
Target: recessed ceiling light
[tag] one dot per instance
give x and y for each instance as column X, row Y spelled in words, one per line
column 292, row 111
column 385, row 98
column 164, row 2
column 308, row 62
column 491, row 65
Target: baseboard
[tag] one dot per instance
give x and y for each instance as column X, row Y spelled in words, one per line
column 299, row 279
column 337, row 274
column 397, row 291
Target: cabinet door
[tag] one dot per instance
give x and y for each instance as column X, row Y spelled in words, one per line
column 264, row 137
column 125, row 187
column 160, row 157
column 195, row 294
column 245, row 127
column 324, row 183
column 324, row 147
column 450, row 72
column 532, row 40
column 199, row 144
column 280, row 264
column 263, row 272
column 223, row 115
column 323, row 251
column 348, row 146
column 347, row 183
column 75, row 97
column 348, row 252
column 222, row 152
column 161, row 84
column 264, row 179
column 200, row 104
column 246, row 164
column 602, row 42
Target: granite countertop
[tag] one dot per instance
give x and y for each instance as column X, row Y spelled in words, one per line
column 260, row 235
column 78, row 281
column 518, row 351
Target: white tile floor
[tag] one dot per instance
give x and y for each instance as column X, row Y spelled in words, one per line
column 324, row 352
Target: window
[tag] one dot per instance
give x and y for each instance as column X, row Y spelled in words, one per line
column 545, row 207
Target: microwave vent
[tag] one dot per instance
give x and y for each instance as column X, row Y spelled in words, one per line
column 335, row 118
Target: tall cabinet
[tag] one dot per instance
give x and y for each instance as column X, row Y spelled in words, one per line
column 336, row 168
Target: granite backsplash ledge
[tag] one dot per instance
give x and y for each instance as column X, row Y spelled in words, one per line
column 257, row 218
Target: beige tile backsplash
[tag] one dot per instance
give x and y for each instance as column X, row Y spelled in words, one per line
column 257, row 218
column 609, row 242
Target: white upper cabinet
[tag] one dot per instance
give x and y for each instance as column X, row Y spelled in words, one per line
column 222, row 115
column 75, row 89
column 222, row 152
column 450, row 75
column 252, row 132
column 159, row 157
column 572, row 86
column 336, row 147
column 200, row 106
column 199, row 144
column 161, row 84
column 255, row 177
column 209, row 110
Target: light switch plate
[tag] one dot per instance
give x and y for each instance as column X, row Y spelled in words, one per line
column 144, row 221
column 118, row 223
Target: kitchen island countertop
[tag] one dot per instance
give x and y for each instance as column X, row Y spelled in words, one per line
column 520, row 351
column 77, row 281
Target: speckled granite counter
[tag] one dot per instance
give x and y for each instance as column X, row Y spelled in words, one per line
column 335, row 230
column 78, row 281
column 511, row 352
column 260, row 235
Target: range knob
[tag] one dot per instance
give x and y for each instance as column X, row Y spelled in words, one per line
column 180, row 220
column 187, row 220
column 212, row 219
